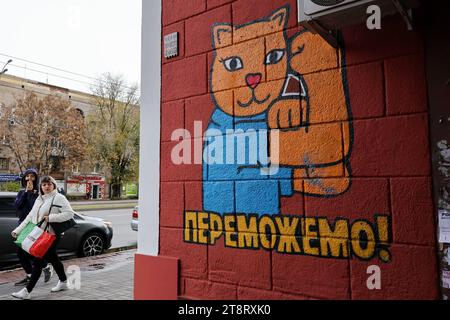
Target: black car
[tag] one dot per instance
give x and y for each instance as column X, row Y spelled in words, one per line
column 91, row 236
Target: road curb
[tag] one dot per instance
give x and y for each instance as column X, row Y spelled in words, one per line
column 94, row 208
column 121, row 249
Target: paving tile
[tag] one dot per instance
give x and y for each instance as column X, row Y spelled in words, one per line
column 116, row 279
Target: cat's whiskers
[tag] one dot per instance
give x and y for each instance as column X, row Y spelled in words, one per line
column 253, row 99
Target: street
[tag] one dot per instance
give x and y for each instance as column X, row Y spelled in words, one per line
column 123, row 235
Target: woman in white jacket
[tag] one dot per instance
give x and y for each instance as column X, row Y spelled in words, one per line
column 52, row 207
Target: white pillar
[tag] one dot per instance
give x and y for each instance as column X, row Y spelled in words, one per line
column 148, row 234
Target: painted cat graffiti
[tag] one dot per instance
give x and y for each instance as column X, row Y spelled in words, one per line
column 264, row 81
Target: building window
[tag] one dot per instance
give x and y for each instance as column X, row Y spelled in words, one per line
column 80, row 112
column 96, row 168
column 4, row 140
column 55, row 163
column 4, row 164
column 75, row 168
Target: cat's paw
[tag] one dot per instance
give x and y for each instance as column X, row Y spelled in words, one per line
column 285, row 114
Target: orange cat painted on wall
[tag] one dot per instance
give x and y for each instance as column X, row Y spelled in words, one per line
column 261, row 81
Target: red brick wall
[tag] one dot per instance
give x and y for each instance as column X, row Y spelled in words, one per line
column 390, row 164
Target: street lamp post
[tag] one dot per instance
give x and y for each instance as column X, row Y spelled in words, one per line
column 4, row 70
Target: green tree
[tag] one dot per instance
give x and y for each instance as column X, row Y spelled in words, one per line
column 114, row 130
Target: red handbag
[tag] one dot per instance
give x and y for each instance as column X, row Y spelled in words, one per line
column 42, row 244
column 35, row 240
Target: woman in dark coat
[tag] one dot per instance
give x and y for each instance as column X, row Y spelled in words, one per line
column 24, row 202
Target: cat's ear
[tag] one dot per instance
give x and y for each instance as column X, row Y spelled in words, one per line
column 280, row 18
column 222, row 35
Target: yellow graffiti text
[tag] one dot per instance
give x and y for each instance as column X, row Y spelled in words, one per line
column 313, row 236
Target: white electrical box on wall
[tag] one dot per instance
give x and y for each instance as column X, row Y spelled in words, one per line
column 316, row 6
column 326, row 16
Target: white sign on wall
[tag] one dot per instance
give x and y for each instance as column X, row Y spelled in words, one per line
column 76, row 189
column 444, row 226
column 171, row 45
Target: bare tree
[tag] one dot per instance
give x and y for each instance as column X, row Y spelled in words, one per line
column 114, row 130
column 40, row 130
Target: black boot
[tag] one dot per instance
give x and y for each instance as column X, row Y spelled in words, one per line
column 48, row 273
column 23, row 282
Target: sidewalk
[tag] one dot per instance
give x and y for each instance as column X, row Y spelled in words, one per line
column 105, row 277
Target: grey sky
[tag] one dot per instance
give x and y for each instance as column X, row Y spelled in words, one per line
column 87, row 37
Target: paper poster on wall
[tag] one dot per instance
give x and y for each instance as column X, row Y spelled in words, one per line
column 446, row 279
column 76, row 189
column 444, row 226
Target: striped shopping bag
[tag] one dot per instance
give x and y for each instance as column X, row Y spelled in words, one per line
column 35, row 240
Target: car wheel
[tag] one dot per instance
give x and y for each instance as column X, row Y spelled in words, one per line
column 93, row 244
